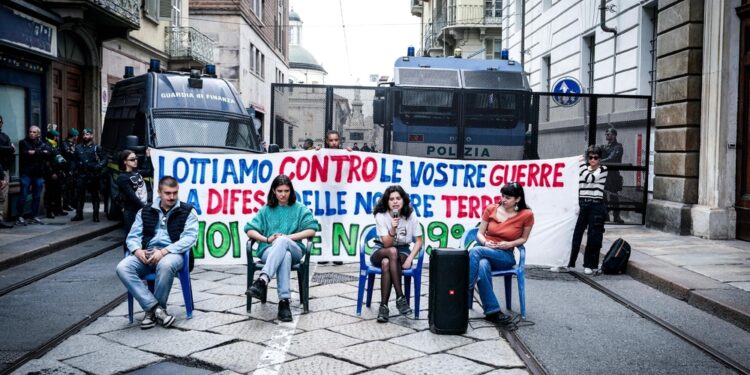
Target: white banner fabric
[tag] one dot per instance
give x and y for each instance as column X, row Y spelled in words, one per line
column 341, row 188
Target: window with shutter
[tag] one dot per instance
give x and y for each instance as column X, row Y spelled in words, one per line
column 151, row 9
column 165, row 8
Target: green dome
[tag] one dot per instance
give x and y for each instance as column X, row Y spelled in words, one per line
column 293, row 16
column 301, row 58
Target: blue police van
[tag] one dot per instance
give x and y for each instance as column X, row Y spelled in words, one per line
column 438, row 101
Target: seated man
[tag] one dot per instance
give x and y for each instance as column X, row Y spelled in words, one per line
column 160, row 235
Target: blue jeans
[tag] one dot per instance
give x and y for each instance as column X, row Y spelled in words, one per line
column 482, row 261
column 130, row 270
column 26, row 184
column 279, row 258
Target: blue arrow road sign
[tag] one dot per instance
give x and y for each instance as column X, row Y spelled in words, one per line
column 567, row 85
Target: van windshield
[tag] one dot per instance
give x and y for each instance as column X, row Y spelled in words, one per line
column 205, row 131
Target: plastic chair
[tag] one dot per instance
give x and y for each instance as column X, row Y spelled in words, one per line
column 183, row 275
column 367, row 272
column 518, row 270
column 303, row 274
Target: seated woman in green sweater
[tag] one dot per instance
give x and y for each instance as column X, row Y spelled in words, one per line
column 279, row 227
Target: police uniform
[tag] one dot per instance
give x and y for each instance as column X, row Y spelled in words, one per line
column 54, row 174
column 88, row 164
column 68, row 150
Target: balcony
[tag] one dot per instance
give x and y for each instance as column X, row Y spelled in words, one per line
column 416, row 8
column 471, row 16
column 112, row 17
column 186, row 45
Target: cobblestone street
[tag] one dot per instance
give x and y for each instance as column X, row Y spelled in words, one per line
column 331, row 339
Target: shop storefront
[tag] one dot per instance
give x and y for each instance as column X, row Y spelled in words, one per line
column 27, row 46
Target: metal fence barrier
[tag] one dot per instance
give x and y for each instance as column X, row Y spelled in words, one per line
column 477, row 124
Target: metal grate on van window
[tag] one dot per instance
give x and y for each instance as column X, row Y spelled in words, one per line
column 428, row 77
column 492, row 79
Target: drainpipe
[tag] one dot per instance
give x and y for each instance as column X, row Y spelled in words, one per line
column 613, row 30
column 523, row 34
column 605, row 28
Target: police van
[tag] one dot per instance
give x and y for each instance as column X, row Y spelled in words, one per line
column 183, row 111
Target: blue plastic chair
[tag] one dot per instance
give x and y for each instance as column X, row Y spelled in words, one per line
column 469, row 240
column 187, row 289
column 367, row 272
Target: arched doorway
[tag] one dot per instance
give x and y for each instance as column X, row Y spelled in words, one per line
column 68, row 86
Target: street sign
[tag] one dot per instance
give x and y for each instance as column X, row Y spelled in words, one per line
column 567, row 85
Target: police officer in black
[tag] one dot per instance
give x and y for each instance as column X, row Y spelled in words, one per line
column 54, row 173
column 88, row 163
column 68, row 150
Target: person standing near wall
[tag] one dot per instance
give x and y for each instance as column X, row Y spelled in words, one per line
column 89, row 162
column 68, row 150
column 591, row 181
column 54, row 174
column 7, row 150
column 612, row 154
column 33, row 155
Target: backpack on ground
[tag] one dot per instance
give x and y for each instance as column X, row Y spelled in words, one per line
column 616, row 260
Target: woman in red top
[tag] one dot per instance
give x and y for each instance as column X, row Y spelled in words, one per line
column 504, row 226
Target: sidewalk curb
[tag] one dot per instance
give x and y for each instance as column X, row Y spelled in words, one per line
column 65, row 237
column 697, row 290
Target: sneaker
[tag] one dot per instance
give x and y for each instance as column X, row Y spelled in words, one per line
column 21, row 221
column 285, row 313
column 588, row 271
column 383, row 313
column 258, row 290
column 163, row 317
column 35, row 220
column 337, row 263
column 403, row 306
column 498, row 318
column 559, row 269
column 148, row 321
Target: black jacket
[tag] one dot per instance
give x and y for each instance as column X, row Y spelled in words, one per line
column 128, row 183
column 89, row 160
column 33, row 165
column 6, row 151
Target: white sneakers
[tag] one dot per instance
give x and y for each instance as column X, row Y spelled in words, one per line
column 559, row 269
column 588, row 271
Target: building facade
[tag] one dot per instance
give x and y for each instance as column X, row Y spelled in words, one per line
column 690, row 56
column 60, row 58
column 251, row 51
column 471, row 26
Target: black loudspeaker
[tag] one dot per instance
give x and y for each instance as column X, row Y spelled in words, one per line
column 449, row 288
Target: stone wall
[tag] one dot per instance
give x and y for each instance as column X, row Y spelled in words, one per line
column 678, row 114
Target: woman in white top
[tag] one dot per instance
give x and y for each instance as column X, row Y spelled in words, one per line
column 593, row 212
column 397, row 227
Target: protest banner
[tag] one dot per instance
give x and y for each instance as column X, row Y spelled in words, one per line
column 341, row 188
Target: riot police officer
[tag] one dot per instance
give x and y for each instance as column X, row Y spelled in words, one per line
column 88, row 164
column 68, row 150
column 54, row 173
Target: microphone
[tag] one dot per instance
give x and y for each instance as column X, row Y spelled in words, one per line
column 394, row 213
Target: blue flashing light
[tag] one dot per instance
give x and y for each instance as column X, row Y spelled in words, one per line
column 154, row 66
column 504, row 54
column 211, row 69
column 129, row 72
column 410, row 51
